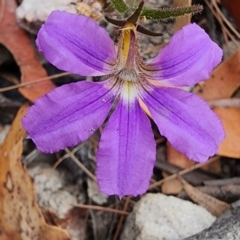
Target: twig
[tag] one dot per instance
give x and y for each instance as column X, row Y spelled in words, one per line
column 34, row 81
column 94, row 224
column 119, row 226
column 219, row 19
column 221, row 182
column 225, row 36
column 229, row 102
column 80, row 165
column 10, row 78
column 67, row 155
column 99, row 208
column 60, row 160
column 187, row 170
column 225, row 19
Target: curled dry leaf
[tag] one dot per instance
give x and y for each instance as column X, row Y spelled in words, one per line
column 230, row 117
column 228, row 193
column 224, row 81
column 213, row 205
column 20, row 216
column 17, row 42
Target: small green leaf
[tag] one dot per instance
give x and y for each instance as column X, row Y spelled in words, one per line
column 120, row 5
column 169, row 13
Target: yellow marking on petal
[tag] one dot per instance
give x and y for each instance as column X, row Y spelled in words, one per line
column 125, row 41
column 129, row 92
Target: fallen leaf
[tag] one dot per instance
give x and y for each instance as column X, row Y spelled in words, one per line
column 17, row 42
column 176, row 158
column 224, row 81
column 230, row 118
column 20, row 216
column 213, row 205
column 213, row 167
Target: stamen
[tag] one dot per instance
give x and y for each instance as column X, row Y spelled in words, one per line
column 128, row 75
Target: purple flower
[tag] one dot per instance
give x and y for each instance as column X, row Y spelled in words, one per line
column 71, row 113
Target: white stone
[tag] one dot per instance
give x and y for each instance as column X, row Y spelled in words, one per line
column 31, row 14
column 95, row 194
column 161, row 217
column 34, row 10
column 53, row 189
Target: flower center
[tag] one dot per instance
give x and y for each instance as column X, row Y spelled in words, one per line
column 127, row 74
column 128, row 71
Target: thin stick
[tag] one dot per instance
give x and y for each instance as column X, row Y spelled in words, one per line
column 67, row 155
column 218, row 18
column 175, row 175
column 60, row 160
column 224, row 32
column 34, row 81
column 12, row 79
column 229, row 102
column 120, row 223
column 225, row 19
column 99, row 208
column 80, row 165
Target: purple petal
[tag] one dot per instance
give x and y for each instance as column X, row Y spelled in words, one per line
column 186, row 121
column 127, row 152
column 77, row 44
column 68, row 115
column 188, row 59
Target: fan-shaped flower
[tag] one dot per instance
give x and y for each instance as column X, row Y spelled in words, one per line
column 71, row 113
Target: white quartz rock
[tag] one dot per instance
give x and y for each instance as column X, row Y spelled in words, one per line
column 161, row 217
column 33, row 10
column 32, row 13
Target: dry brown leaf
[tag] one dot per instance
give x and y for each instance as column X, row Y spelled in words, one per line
column 17, row 42
column 174, row 157
column 213, row 205
column 213, row 167
column 231, row 121
column 224, row 81
column 20, row 216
